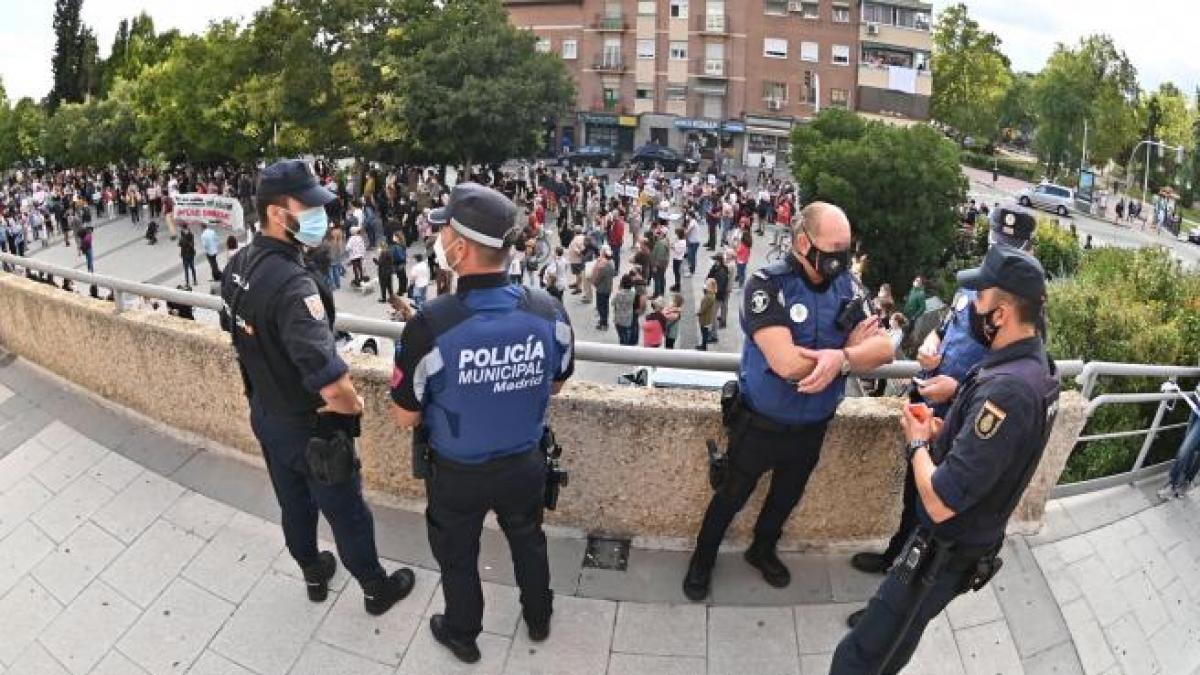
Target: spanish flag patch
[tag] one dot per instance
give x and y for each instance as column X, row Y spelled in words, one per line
column 989, row 419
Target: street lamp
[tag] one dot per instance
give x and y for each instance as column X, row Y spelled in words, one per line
column 1151, row 143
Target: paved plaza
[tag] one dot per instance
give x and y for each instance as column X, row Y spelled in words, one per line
column 127, row 548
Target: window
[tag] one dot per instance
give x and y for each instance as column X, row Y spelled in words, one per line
column 679, row 50
column 872, row 13
column 676, row 93
column 779, row 7
column 679, row 9
column 542, row 45
column 647, row 8
column 841, row 55
column 839, row 98
column 775, row 48
column 810, row 10
column 809, row 51
column 808, row 93
column 610, row 99
column 775, row 91
column 645, row 49
column 841, row 13
column 645, row 94
column 570, row 49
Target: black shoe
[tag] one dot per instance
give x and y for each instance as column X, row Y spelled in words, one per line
column 379, row 596
column 871, row 563
column 698, row 581
column 318, row 574
column 855, row 617
column 773, row 570
column 539, row 628
column 466, row 651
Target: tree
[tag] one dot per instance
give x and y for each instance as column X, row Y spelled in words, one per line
column 88, row 70
column 65, row 61
column 94, row 133
column 971, row 75
column 24, row 130
column 1017, row 119
column 900, row 188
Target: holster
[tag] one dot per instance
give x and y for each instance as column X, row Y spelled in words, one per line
column 556, row 477
column 734, row 418
column 421, row 464
column 331, row 459
column 985, row 569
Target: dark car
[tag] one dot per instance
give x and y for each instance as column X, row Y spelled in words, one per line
column 1194, row 236
column 649, row 155
column 590, row 155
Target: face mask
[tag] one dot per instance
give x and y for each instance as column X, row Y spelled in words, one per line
column 982, row 328
column 312, row 224
column 439, row 249
column 829, row 265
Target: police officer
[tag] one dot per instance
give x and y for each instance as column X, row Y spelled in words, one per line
column 970, row 471
column 806, row 328
column 281, row 317
column 476, row 369
column 946, row 356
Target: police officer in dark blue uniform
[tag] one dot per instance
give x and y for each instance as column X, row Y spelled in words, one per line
column 304, row 409
column 970, row 471
column 946, row 356
column 807, row 325
column 476, row 369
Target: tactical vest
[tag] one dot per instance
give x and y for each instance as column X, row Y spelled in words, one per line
column 813, row 316
column 960, row 350
column 487, row 382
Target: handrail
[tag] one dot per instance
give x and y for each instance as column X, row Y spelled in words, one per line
column 1094, row 369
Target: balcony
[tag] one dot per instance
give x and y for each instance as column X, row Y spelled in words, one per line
column 608, row 23
column 710, row 68
column 895, row 78
column 608, row 105
column 712, row 24
column 608, row 62
column 887, row 34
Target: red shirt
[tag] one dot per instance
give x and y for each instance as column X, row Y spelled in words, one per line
column 652, row 331
column 743, row 253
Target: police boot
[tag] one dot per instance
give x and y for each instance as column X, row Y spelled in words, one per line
column 871, row 563
column 539, row 627
column 318, row 574
column 380, row 594
column 698, row 580
column 762, row 556
column 464, row 650
column 855, row 617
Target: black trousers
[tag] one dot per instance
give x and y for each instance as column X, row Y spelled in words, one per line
column 790, row 457
column 459, row 497
column 213, row 267
column 908, row 517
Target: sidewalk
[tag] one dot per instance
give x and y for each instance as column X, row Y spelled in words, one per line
column 125, row 549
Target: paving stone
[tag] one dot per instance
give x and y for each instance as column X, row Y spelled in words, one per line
column 175, row 629
column 57, row 435
column 71, row 461
column 212, row 663
column 1109, row 544
column 819, row 628
column 1184, row 559
column 152, row 562
column 758, row 640
column 24, row 612
column 230, row 481
column 154, row 450
column 1058, row 660
column 1074, row 549
column 652, row 576
column 198, row 514
column 735, row 582
column 19, row 502
column 319, row 659
column 1181, row 608
column 849, row 584
column 71, row 508
column 1028, row 604
column 426, row 657
column 937, row 653
column 116, row 663
column 495, row 559
column 815, row 664
column 661, row 630
column 1099, row 589
column 19, row 463
column 115, row 471
column 1089, row 639
column 988, row 649
column 77, row 561
column 974, row 608
column 272, row 625
column 1131, row 647
column 21, row 430
column 379, row 638
column 641, row 664
column 1153, row 563
column 579, row 643
column 23, row 549
column 138, row 505
column 1165, row 531
column 501, row 607
column 1102, row 508
column 232, row 562
column 37, row 661
column 284, row 564
column 89, row 627
column 1175, row 650
column 1142, row 598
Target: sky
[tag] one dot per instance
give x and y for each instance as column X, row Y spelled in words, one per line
column 1154, row 33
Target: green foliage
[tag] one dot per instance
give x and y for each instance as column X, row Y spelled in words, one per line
column 972, row 75
column 1057, row 249
column 1013, row 168
column 91, row 134
column 1016, row 113
column 899, row 187
column 64, row 62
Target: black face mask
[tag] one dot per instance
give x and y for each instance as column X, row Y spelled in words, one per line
column 982, row 328
column 829, row 265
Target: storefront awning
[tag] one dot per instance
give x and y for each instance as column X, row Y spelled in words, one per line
column 767, row 131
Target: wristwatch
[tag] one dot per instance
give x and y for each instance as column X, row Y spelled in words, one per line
column 845, row 363
column 913, row 446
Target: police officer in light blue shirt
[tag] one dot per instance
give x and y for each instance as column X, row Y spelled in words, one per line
column 476, row 368
column 807, row 326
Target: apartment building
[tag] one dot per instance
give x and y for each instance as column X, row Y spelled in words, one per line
column 894, row 78
column 708, row 77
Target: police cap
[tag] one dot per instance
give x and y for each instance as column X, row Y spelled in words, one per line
column 478, row 213
column 1009, row 269
column 292, row 177
column 1011, row 225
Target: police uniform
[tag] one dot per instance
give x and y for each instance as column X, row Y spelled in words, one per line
column 281, row 316
column 988, row 449
column 480, row 365
column 778, row 429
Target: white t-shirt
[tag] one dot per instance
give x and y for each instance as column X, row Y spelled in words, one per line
column 420, row 274
column 678, row 249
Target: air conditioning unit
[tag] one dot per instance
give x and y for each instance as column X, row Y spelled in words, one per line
column 795, row 5
column 872, row 28
column 774, row 104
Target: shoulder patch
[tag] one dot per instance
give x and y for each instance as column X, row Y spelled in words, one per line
column 315, row 307
column 989, row 419
column 759, row 302
column 799, row 313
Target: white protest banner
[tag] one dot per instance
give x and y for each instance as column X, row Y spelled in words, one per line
column 213, row 210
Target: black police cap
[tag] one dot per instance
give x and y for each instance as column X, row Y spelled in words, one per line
column 292, row 178
column 478, row 213
column 1009, row 269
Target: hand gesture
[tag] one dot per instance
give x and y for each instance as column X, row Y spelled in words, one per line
column 938, row 389
column 867, row 328
column 917, row 426
column 828, row 367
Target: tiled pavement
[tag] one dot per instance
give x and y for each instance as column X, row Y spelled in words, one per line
column 125, row 550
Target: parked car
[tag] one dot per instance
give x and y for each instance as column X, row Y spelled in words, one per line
column 590, row 155
column 1048, row 196
column 1193, row 236
column 650, row 154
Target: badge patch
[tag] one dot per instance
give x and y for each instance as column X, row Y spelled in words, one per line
column 989, row 419
column 798, row 313
column 759, row 302
column 315, row 307
column 960, row 302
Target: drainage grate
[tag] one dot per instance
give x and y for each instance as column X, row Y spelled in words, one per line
column 606, row 553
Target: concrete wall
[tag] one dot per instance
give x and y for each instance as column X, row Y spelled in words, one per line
column 636, row 456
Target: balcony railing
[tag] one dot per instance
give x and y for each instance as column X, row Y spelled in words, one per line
column 712, row 24
column 610, row 23
column 607, row 62
column 715, row 68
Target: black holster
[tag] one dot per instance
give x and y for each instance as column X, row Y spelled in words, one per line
column 556, row 477
column 331, row 459
column 421, row 463
column 734, row 419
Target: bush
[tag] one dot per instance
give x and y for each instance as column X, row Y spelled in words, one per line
column 1057, row 249
column 1013, row 168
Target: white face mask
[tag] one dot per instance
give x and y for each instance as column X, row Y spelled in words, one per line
column 440, row 251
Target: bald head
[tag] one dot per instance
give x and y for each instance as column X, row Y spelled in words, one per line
column 827, row 225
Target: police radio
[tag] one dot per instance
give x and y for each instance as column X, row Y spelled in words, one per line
column 855, row 311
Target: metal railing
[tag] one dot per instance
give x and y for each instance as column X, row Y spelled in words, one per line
column 609, row 62
column 706, row 67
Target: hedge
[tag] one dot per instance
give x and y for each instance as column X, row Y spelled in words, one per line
column 1013, row 168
